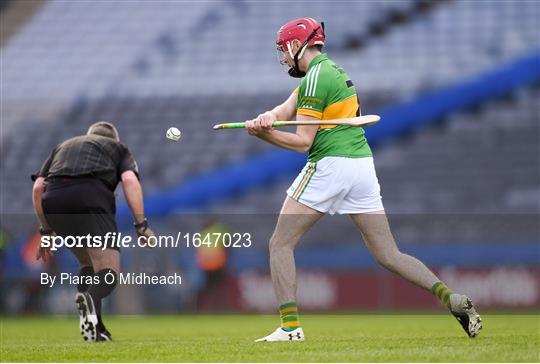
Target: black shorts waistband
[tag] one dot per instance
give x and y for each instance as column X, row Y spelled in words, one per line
column 61, row 181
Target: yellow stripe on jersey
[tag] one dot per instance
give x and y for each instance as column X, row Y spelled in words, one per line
column 340, row 110
column 308, row 112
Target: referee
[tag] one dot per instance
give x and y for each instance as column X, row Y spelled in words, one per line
column 73, row 195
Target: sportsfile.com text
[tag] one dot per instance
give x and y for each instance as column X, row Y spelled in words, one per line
column 119, row 240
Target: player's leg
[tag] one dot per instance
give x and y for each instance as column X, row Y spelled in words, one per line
column 316, row 190
column 294, row 221
column 379, row 240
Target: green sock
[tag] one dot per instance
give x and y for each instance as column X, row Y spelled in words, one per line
column 442, row 292
column 288, row 312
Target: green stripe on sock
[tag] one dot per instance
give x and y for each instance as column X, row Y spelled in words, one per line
column 435, row 286
column 288, row 313
column 442, row 292
column 287, row 305
column 446, row 297
column 445, row 293
column 290, row 319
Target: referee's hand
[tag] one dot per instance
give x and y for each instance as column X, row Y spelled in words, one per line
column 144, row 231
column 44, row 253
column 146, row 234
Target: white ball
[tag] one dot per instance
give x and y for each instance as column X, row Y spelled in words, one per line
column 173, row 134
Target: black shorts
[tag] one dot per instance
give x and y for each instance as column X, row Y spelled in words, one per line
column 79, row 206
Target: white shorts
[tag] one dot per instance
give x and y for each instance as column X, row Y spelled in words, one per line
column 338, row 184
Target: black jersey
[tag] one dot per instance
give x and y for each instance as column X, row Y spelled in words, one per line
column 89, row 156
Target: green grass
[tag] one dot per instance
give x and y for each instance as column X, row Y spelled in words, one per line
column 229, row 338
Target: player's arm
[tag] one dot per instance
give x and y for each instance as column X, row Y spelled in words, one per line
column 287, row 109
column 300, row 141
column 284, row 111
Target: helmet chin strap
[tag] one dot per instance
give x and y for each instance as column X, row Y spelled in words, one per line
column 295, row 71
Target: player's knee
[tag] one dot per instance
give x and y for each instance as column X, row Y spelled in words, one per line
column 388, row 259
column 276, row 244
column 272, row 244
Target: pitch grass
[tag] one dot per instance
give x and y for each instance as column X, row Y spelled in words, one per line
column 229, row 338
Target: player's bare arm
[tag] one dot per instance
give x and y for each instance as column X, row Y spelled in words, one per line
column 300, row 141
column 284, row 111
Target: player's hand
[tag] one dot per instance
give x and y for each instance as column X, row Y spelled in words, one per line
column 261, row 124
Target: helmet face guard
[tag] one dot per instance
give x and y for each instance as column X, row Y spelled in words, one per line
column 286, row 45
column 292, row 70
column 281, row 55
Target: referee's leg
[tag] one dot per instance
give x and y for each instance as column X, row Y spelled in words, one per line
column 86, row 271
column 106, row 265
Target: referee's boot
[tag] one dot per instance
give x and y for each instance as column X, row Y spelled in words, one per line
column 103, row 334
column 463, row 310
column 87, row 317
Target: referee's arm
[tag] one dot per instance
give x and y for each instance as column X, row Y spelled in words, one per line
column 43, row 253
column 39, row 188
column 134, row 195
column 37, row 194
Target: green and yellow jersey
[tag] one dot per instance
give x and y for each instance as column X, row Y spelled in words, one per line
column 326, row 92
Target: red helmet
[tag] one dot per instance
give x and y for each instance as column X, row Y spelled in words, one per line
column 301, row 29
column 305, row 30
